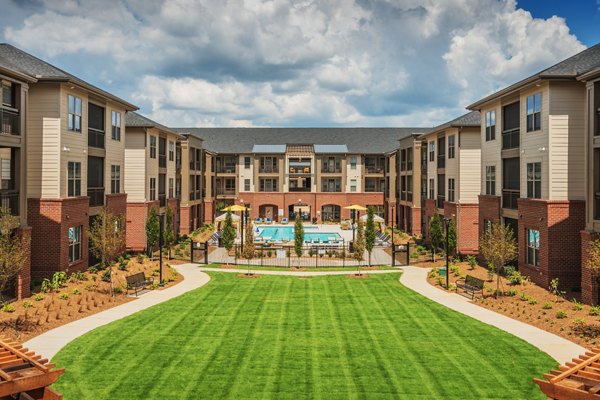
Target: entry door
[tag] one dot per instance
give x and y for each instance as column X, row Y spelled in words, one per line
column 269, row 212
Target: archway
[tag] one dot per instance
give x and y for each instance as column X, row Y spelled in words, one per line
column 270, row 211
column 330, row 213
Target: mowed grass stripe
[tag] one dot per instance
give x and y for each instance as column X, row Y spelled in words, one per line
column 285, row 337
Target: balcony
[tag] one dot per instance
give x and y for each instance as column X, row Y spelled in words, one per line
column 9, row 122
column 409, row 197
column 510, row 139
column 227, row 169
column 441, row 161
column 162, row 199
column 221, row 191
column 374, row 169
column 267, row 170
column 95, row 138
column 162, row 161
column 300, row 170
column 440, row 201
column 331, row 170
column 96, row 196
column 509, row 198
column 597, row 205
column 9, row 200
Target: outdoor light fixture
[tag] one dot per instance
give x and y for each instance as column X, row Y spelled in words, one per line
column 161, row 228
column 446, row 225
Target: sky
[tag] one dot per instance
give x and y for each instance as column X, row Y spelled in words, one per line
column 302, row 63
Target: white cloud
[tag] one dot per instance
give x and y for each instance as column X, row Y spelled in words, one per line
column 296, row 62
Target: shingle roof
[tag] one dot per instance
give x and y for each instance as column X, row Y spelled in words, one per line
column 135, row 120
column 571, row 67
column 470, row 119
column 358, row 140
column 269, row 148
column 19, row 61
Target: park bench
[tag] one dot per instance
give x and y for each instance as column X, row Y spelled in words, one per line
column 470, row 285
column 137, row 281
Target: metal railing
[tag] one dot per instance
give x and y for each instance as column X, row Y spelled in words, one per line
column 162, row 161
column 9, row 200
column 440, row 201
column 9, row 122
column 226, row 192
column 441, row 161
column 374, row 169
column 95, row 138
column 162, row 199
column 96, row 196
column 268, row 170
column 510, row 139
column 329, row 170
column 509, row 198
column 597, row 205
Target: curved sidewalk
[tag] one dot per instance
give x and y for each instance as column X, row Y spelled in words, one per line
column 49, row 343
column 562, row 350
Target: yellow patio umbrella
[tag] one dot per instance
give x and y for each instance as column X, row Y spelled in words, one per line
column 237, row 207
column 354, row 208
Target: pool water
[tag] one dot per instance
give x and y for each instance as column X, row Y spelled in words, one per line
column 286, row 234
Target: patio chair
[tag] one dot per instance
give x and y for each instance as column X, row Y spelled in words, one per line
column 268, row 220
column 259, row 220
column 284, row 220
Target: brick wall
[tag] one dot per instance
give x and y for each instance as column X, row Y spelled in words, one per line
column 117, row 205
column 136, row 224
column 430, row 208
column 589, row 284
column 184, row 220
column 50, row 220
column 416, row 221
column 489, row 209
column 466, row 218
column 173, row 204
column 208, row 212
column 560, row 224
column 24, row 278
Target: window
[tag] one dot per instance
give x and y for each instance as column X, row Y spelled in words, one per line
column 152, row 146
column 511, row 128
column 268, row 184
column 353, row 185
column 116, row 125
column 74, row 113
column 353, row 162
column 247, row 184
column 431, row 151
column 441, row 157
column 115, row 178
column 403, row 160
column 490, row 180
column 490, row 125
column 487, row 225
column 409, row 165
column 247, row 163
column 331, row 184
column 533, row 247
column 451, row 146
column 152, row 189
column 432, row 188
column 171, row 151
column 74, row 179
column 171, row 187
column 75, row 243
column 533, row 112
column 267, row 165
column 8, row 94
column 451, row 189
column 441, row 190
column 534, row 180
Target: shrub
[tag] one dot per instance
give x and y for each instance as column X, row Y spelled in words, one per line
column 532, row 301
column 27, row 304
column 46, row 286
column 117, row 290
column 311, row 252
column 561, row 314
column 77, row 276
column 106, row 276
column 472, row 261
column 76, row 291
column 8, row 308
column 523, row 297
column 579, row 321
column 91, row 287
column 547, row 305
column 511, row 292
column 594, row 310
column 64, row 296
column 515, row 278
column 123, row 265
column 433, row 273
column 269, row 253
column 454, row 269
column 508, row 270
column 93, row 270
column 141, row 257
column 591, row 331
column 452, row 287
column 38, row 297
column 577, row 306
column 329, row 253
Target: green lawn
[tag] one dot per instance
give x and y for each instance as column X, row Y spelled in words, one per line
column 292, row 338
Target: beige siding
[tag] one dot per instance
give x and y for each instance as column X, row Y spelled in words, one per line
column 469, row 157
column 356, row 174
column 491, row 151
column 43, row 141
column 151, row 163
column 135, row 165
column 115, row 150
column 249, row 173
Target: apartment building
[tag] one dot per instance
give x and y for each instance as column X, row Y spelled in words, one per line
column 69, row 158
column 151, row 171
column 281, row 172
column 533, row 141
column 452, row 177
column 190, row 185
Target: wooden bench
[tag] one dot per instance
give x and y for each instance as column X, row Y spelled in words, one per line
column 137, row 281
column 470, row 285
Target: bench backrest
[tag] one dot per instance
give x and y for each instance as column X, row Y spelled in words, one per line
column 476, row 282
column 135, row 278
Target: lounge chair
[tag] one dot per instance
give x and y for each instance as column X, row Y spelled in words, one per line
column 268, row 220
column 259, row 220
column 284, row 220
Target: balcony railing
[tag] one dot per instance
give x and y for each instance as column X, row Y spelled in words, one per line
column 9, row 200
column 440, row 201
column 162, row 199
column 374, row 169
column 9, row 122
column 225, row 192
column 95, row 138
column 441, row 161
column 96, row 196
column 299, row 170
column 409, row 196
column 227, row 169
column 162, row 161
column 192, row 195
column 597, row 205
column 509, row 198
column 331, row 170
column 267, row 170
column 510, row 139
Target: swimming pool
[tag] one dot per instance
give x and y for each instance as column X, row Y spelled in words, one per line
column 286, row 234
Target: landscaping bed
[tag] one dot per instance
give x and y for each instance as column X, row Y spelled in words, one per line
column 67, row 298
column 553, row 310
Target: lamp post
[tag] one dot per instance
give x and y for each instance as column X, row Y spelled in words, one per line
column 393, row 244
column 161, row 228
column 299, row 203
column 242, row 227
column 446, row 225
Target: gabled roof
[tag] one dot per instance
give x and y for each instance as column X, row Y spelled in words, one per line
column 569, row 68
column 135, row 120
column 471, row 119
column 17, row 60
column 357, row 140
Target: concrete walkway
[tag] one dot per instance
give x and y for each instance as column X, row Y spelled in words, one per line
column 49, row 343
column 562, row 350
column 300, row 273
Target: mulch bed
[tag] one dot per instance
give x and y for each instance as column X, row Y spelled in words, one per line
column 357, row 276
column 248, row 275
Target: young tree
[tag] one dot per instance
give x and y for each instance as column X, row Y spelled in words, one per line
column 359, row 244
column 14, row 249
column 451, row 238
column 435, row 233
column 107, row 238
column 169, row 231
column 370, row 234
column 228, row 236
column 498, row 246
column 248, row 252
column 593, row 262
column 152, row 230
column 298, row 237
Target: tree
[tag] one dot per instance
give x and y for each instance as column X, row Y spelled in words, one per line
column 14, row 249
column 359, row 244
column 370, row 234
column 435, row 232
column 228, row 237
column 152, row 230
column 248, row 252
column 593, row 261
column 107, row 238
column 298, row 237
column 498, row 246
column 451, row 234
column 169, row 231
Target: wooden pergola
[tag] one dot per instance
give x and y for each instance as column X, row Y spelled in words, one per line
column 24, row 375
column 576, row 380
